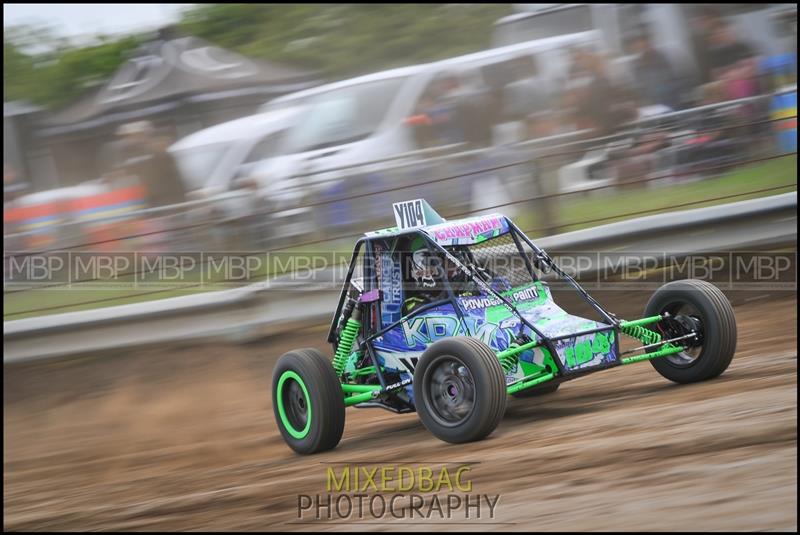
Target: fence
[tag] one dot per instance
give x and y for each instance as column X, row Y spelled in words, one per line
column 542, row 181
column 248, row 312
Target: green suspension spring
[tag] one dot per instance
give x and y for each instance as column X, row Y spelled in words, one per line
column 644, row 334
column 509, row 361
column 346, row 340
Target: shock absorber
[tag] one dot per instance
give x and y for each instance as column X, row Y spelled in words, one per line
column 509, row 361
column 647, row 336
column 346, row 340
column 509, row 358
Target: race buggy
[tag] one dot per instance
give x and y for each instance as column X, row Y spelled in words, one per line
column 446, row 318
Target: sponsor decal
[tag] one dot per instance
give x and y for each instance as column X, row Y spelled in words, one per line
column 476, row 303
column 525, row 294
column 391, row 285
column 469, row 230
column 425, row 330
column 402, row 383
column 578, row 353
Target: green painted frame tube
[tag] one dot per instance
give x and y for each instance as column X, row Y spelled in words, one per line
column 357, row 398
column 527, row 383
column 350, row 389
column 643, row 321
column 518, row 349
column 365, row 371
column 671, row 350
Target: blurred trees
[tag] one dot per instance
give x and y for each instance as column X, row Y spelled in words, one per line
column 42, row 68
column 347, row 39
column 341, row 40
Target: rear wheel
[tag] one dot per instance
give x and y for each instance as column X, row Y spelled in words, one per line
column 700, row 307
column 307, row 401
column 460, row 389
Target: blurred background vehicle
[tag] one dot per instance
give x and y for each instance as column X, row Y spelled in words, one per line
column 215, row 162
column 394, row 117
column 210, row 159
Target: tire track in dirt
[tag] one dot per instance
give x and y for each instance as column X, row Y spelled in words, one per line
column 183, row 438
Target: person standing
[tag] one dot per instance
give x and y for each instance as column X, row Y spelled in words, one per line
column 733, row 62
column 602, row 104
column 702, row 24
column 526, row 99
column 654, row 74
column 145, row 156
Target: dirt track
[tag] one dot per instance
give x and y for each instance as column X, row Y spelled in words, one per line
column 183, row 438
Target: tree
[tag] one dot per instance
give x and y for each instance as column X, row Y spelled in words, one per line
column 42, row 68
column 341, row 40
column 347, row 39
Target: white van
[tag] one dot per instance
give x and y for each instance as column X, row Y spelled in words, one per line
column 361, row 120
column 310, row 141
column 209, row 159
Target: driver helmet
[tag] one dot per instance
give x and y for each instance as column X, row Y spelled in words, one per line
column 426, row 266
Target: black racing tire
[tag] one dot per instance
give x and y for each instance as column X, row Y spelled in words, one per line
column 460, row 390
column 537, row 391
column 307, row 401
column 718, row 330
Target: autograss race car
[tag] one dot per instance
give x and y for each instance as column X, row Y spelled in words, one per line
column 447, row 318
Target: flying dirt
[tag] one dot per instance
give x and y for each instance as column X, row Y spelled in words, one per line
column 183, row 437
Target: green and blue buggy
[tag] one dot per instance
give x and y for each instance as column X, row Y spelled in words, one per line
column 448, row 318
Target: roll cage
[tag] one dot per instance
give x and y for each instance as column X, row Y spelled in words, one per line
column 370, row 331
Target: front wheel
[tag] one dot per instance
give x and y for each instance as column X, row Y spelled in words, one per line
column 460, row 389
column 307, row 401
column 700, row 307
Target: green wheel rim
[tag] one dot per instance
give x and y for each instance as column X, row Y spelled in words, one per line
column 285, row 376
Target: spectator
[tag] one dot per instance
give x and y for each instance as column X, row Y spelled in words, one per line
column 422, row 124
column 464, row 108
column 145, row 156
column 733, row 62
column 473, row 111
column 448, row 111
column 434, row 119
column 597, row 101
column 702, row 24
column 574, row 90
column 442, row 110
column 452, row 113
column 655, row 77
column 526, row 99
column 715, row 142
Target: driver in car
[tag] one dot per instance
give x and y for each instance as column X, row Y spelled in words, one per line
column 427, row 269
column 425, row 276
